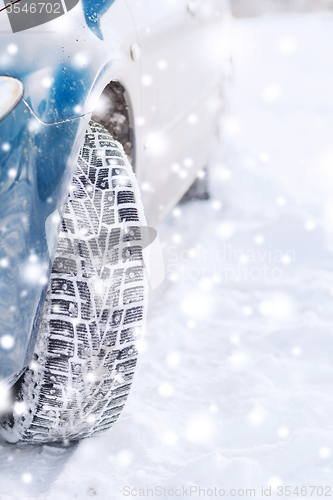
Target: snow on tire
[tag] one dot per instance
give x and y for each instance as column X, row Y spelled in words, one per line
column 85, row 354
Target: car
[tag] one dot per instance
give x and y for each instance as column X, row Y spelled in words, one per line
column 107, row 109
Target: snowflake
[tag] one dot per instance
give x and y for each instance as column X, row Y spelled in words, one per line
column 173, row 359
column 7, row 342
column 165, row 390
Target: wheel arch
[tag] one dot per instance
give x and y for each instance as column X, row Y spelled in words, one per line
column 114, row 111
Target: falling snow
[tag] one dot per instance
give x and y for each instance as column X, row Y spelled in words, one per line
column 7, row 342
column 235, row 384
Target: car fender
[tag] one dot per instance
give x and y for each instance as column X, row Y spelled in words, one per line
column 63, row 73
column 71, row 65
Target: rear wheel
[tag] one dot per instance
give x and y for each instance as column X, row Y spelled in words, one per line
column 86, row 350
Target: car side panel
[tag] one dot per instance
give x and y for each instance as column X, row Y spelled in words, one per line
column 183, row 62
column 64, row 73
column 34, row 181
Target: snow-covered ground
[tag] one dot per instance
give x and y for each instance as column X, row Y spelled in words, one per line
column 235, row 389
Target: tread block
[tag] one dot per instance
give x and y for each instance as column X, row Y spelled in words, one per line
column 60, row 327
column 55, row 378
column 77, row 189
column 65, row 245
column 126, row 366
column 115, row 161
column 122, row 389
column 91, row 213
column 113, row 255
column 64, row 307
column 89, row 141
column 94, row 248
column 108, row 204
column 125, row 197
column 108, row 216
column 83, row 289
column 130, row 335
column 133, row 314
column 102, row 238
column 112, row 412
column 84, row 227
column 132, row 253
column 110, row 338
column 114, row 298
column 64, row 265
column 117, row 278
column 121, row 182
column 116, row 317
column 103, row 320
column 92, row 174
column 78, row 209
column 82, row 334
column 128, row 214
column 106, row 273
column 131, row 295
column 81, row 249
column 132, row 233
column 85, row 152
column 87, row 186
column 47, row 401
column 117, row 401
column 116, row 172
column 96, row 158
column 68, row 226
column 57, row 364
column 62, row 286
column 50, row 391
column 103, row 179
column 106, row 386
column 114, row 238
column 97, row 200
column 56, row 346
column 111, row 357
column 73, row 402
column 94, row 336
column 113, row 152
column 128, row 352
column 134, row 274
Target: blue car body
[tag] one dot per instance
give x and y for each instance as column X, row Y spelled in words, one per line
column 44, row 131
column 64, row 66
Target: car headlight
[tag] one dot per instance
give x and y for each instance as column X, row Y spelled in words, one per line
column 11, row 92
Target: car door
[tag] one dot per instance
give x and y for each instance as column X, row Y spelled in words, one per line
column 160, row 25
column 179, row 45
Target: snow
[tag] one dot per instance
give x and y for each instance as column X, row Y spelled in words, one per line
column 235, row 384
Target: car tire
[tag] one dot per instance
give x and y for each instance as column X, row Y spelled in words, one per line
column 199, row 189
column 86, row 350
